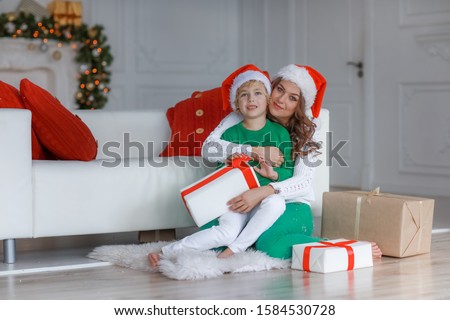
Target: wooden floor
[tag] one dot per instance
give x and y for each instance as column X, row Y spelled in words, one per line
column 424, row 276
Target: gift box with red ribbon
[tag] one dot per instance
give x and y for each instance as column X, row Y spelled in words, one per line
column 332, row 255
column 207, row 198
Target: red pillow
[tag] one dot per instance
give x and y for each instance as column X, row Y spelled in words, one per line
column 10, row 98
column 58, row 129
column 192, row 120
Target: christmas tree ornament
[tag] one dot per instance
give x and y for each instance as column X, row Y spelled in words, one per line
column 10, row 27
column 90, row 86
column 11, row 16
column 83, row 68
column 79, row 95
column 43, row 47
column 92, row 33
column 57, row 55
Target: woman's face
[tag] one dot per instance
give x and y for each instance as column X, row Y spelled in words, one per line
column 284, row 100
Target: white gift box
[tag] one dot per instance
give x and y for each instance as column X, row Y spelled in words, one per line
column 207, row 198
column 332, row 255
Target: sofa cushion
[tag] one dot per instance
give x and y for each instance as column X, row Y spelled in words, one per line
column 64, row 134
column 192, row 120
column 10, row 98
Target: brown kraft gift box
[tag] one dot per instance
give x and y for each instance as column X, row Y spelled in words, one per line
column 400, row 225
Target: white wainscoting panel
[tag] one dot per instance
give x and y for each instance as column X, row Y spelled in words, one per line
column 157, row 97
column 413, row 13
column 424, row 128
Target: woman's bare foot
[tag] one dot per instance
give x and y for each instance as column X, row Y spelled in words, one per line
column 153, row 259
column 225, row 253
column 376, row 251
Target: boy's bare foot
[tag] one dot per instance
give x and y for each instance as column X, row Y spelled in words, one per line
column 225, row 253
column 376, row 251
column 153, row 259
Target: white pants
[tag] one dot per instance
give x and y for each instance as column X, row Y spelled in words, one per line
column 237, row 231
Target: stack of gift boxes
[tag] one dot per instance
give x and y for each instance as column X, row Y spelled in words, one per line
column 400, row 225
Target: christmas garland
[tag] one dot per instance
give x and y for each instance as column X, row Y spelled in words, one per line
column 93, row 54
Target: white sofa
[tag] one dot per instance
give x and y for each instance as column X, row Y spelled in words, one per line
column 140, row 192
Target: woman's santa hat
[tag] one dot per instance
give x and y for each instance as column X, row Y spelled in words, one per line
column 232, row 83
column 311, row 83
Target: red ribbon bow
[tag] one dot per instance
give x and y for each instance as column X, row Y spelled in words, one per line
column 240, row 162
column 326, row 244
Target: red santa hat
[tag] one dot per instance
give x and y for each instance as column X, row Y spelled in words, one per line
column 232, row 83
column 311, row 83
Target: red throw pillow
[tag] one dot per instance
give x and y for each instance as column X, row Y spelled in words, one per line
column 192, row 120
column 58, row 129
column 10, row 98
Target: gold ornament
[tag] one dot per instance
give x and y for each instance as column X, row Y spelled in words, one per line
column 11, row 16
column 79, row 95
column 90, row 86
column 57, row 55
column 92, row 33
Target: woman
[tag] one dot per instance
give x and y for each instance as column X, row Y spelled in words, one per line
column 297, row 91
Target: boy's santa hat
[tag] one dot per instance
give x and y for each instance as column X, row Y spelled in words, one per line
column 311, row 83
column 232, row 83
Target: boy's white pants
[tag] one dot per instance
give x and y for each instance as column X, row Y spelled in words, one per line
column 237, row 231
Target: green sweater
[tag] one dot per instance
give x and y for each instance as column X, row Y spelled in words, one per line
column 272, row 134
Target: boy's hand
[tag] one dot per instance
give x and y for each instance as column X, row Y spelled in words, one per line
column 246, row 201
column 266, row 170
column 273, row 155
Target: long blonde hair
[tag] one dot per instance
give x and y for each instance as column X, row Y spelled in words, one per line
column 301, row 129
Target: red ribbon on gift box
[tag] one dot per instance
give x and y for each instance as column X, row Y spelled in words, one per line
column 236, row 163
column 326, row 244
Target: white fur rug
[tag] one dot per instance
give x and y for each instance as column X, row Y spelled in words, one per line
column 187, row 265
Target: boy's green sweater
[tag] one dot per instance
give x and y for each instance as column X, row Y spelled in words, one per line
column 272, row 134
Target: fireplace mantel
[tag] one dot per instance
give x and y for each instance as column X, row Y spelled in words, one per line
column 51, row 67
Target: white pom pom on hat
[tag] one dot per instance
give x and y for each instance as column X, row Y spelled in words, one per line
column 311, row 83
column 232, row 83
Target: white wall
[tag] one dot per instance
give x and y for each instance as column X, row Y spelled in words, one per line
column 166, row 49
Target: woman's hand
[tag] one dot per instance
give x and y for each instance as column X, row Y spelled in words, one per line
column 272, row 155
column 232, row 157
column 267, row 171
column 246, row 201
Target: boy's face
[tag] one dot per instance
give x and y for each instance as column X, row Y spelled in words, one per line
column 252, row 100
